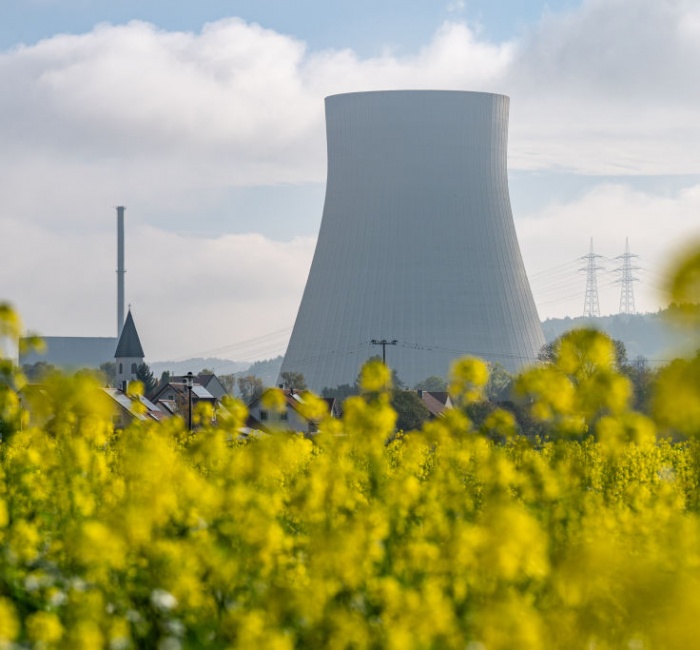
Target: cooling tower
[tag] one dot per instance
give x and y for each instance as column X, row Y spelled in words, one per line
column 417, row 244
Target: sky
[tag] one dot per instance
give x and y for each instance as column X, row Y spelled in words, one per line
column 206, row 121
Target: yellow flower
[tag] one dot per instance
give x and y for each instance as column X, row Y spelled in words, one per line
column 44, row 628
column 25, row 541
column 85, row 635
column 468, row 379
column 616, row 433
column 9, row 625
column 4, row 516
column 582, row 352
column 676, row 399
column 10, row 322
column 501, row 422
column 274, row 400
column 312, row 407
column 375, row 377
column 683, row 287
column 98, row 545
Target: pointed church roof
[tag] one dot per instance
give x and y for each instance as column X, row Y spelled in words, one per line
column 129, row 345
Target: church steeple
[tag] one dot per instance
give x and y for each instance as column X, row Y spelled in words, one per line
column 129, row 355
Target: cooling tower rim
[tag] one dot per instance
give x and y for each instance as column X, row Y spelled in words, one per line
column 418, row 91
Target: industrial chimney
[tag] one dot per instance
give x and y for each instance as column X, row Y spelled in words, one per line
column 417, row 247
column 120, row 270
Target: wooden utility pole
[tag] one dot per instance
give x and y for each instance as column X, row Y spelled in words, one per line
column 383, row 343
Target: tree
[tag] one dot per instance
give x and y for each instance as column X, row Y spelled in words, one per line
column 620, row 354
column 549, row 352
column 478, row 411
column 229, row 382
column 341, row 392
column 146, row 377
column 109, row 370
column 293, row 380
column 499, row 384
column 432, row 383
column 396, row 380
column 250, row 388
column 642, row 378
column 410, row 410
column 36, row 372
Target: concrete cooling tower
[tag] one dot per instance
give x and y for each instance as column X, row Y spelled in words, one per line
column 417, row 246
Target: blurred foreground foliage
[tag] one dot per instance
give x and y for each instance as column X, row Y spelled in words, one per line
column 453, row 536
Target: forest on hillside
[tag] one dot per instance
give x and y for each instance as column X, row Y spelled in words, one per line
column 655, row 336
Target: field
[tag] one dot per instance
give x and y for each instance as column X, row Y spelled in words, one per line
column 448, row 537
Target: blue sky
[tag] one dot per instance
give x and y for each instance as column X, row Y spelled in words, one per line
column 367, row 26
column 206, row 120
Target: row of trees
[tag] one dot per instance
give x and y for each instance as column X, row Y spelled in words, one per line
column 411, row 411
column 499, row 392
column 249, row 387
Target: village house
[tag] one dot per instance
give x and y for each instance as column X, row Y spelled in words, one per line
column 290, row 418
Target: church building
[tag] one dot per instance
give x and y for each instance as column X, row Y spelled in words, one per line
column 129, row 355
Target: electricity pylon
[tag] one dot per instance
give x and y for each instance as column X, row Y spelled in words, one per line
column 627, row 280
column 591, row 306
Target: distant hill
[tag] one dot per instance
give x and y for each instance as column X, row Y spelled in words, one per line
column 219, row 366
column 267, row 370
column 652, row 336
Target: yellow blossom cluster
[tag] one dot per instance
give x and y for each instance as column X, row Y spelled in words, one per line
column 449, row 537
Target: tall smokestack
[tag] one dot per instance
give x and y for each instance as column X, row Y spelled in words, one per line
column 120, row 270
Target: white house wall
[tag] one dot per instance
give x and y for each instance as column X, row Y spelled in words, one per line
column 126, row 373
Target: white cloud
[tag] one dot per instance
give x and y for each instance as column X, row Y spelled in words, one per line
column 135, row 111
column 167, row 122
column 211, row 293
column 454, row 59
column 188, row 294
column 147, row 111
column 610, row 88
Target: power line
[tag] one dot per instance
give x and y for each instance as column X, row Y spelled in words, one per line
column 271, row 341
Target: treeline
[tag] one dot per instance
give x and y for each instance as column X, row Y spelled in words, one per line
column 654, row 336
